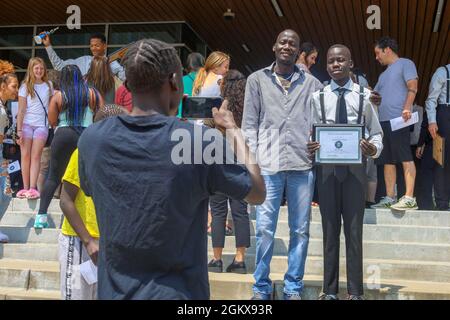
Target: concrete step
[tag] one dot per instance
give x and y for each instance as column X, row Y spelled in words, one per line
column 31, row 205
column 22, row 294
column 380, row 232
column 372, row 249
column 387, row 269
column 385, row 217
column 39, row 278
column 26, row 219
column 29, row 274
column 45, row 274
column 239, row 287
column 438, row 235
column 30, row 235
column 29, row 251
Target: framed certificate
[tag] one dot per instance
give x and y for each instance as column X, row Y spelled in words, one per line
column 339, row 143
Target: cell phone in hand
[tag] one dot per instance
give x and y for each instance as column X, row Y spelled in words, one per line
column 200, row 107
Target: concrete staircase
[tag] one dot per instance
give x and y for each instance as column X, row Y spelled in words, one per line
column 406, row 256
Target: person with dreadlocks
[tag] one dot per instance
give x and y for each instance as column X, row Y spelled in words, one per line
column 9, row 88
column 79, row 233
column 151, row 208
column 71, row 110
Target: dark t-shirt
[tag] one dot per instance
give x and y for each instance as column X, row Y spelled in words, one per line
column 152, row 213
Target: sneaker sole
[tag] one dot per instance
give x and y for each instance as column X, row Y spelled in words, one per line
column 404, row 208
column 409, row 209
column 41, row 227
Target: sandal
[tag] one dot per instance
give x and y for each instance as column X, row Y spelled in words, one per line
column 22, row 194
column 33, row 194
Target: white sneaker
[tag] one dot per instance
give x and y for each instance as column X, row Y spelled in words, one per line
column 405, row 203
column 385, row 203
column 3, row 238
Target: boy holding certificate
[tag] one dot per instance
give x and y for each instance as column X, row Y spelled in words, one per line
column 342, row 188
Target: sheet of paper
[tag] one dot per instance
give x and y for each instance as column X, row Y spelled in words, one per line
column 339, row 145
column 89, row 272
column 399, row 123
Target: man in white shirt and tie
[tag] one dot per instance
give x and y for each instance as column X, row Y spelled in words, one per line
column 342, row 189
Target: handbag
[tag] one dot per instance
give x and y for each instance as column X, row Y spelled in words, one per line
column 51, row 131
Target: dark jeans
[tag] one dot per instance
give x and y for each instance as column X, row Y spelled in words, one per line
column 63, row 145
column 219, row 212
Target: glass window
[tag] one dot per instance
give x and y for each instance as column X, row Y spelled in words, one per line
column 125, row 34
column 190, row 39
column 19, row 58
column 183, row 52
column 16, row 37
column 63, row 54
column 66, row 37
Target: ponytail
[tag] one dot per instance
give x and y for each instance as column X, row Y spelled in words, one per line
column 199, row 81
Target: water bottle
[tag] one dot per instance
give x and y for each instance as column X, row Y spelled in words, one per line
column 38, row 39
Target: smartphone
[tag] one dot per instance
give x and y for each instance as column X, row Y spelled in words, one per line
column 200, row 107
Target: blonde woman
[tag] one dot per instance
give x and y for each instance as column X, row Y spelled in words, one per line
column 207, row 81
column 32, row 124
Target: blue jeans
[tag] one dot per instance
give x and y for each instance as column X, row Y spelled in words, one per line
column 299, row 192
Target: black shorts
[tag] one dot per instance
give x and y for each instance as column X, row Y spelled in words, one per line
column 396, row 145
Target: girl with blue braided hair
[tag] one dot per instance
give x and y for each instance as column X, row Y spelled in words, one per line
column 71, row 111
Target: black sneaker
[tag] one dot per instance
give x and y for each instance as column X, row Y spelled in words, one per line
column 328, row 297
column 215, row 266
column 237, row 267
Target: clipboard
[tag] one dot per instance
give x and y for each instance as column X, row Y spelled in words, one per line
column 439, row 150
column 119, row 54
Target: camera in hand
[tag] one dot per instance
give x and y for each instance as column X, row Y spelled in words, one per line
column 200, row 107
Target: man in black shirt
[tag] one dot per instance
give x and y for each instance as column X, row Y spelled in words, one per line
column 152, row 212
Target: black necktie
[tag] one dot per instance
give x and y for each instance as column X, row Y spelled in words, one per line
column 341, row 118
column 341, row 107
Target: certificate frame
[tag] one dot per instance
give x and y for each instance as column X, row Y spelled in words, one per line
column 356, row 159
